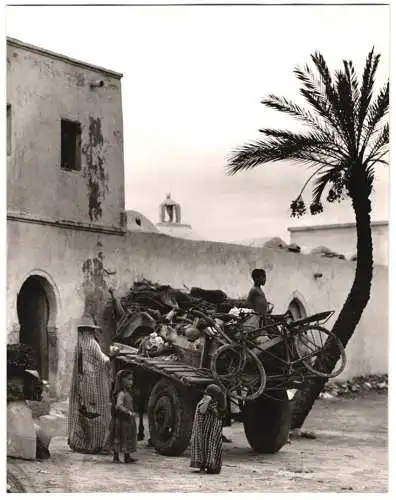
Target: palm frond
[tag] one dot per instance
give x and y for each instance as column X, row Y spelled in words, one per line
column 309, row 180
column 321, row 183
column 347, row 109
column 376, row 112
column 329, row 89
column 353, row 79
column 326, row 78
column 275, row 147
column 374, row 67
column 326, row 146
column 365, row 92
column 312, row 91
column 370, row 173
column 328, row 97
column 286, row 106
column 353, row 92
column 366, row 89
column 381, row 141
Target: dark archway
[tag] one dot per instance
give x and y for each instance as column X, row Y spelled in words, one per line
column 34, row 304
column 297, row 309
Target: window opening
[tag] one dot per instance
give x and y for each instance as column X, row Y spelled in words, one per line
column 70, row 145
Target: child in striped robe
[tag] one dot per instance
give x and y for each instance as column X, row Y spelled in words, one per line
column 206, row 440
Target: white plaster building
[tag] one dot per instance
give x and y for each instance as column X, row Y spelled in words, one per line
column 341, row 238
column 65, row 183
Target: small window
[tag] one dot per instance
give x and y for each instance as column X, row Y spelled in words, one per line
column 9, row 130
column 70, row 145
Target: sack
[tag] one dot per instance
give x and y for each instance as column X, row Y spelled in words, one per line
column 21, row 433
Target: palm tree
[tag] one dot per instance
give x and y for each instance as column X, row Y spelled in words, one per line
column 346, row 136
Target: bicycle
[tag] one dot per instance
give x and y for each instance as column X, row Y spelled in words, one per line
column 238, row 365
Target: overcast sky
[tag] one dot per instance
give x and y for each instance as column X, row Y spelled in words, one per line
column 193, row 80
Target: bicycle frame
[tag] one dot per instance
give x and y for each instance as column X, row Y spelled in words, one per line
column 290, row 376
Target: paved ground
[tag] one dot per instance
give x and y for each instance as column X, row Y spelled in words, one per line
column 349, row 454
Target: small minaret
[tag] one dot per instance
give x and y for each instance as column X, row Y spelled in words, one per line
column 170, row 212
column 170, row 219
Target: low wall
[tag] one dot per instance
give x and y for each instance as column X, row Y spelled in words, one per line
column 76, row 261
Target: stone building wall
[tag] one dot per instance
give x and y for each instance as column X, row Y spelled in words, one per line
column 42, row 90
column 80, row 264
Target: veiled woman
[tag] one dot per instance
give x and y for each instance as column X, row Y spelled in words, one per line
column 89, row 404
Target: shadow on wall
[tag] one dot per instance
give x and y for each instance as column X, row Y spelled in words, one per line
column 96, row 295
column 94, row 172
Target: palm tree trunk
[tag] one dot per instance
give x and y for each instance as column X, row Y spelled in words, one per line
column 357, row 298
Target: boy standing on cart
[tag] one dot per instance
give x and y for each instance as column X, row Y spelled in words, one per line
column 256, row 298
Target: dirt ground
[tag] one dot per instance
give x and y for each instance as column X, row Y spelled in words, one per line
column 350, row 454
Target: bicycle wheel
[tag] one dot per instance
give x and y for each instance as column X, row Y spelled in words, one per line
column 228, row 362
column 246, row 383
column 313, row 346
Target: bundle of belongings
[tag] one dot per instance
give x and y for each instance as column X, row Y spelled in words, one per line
column 159, row 320
column 23, row 380
column 25, row 438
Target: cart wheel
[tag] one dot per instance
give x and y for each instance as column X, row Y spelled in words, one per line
column 246, row 379
column 313, row 346
column 267, row 420
column 170, row 413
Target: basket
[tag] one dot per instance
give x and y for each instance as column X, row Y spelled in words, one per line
column 20, row 357
column 190, row 357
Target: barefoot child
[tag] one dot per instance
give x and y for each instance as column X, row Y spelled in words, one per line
column 206, row 441
column 123, row 435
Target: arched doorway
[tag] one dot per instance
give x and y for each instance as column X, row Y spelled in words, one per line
column 296, row 309
column 36, row 307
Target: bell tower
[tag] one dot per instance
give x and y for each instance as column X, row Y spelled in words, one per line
column 170, row 212
column 170, row 220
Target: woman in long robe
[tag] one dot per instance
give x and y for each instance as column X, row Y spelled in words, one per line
column 89, row 403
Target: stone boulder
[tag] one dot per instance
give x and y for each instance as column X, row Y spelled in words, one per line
column 21, row 432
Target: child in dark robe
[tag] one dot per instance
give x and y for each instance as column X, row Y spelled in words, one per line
column 123, row 433
column 206, row 440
